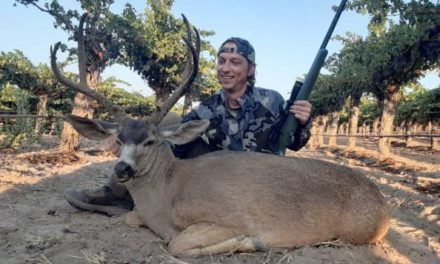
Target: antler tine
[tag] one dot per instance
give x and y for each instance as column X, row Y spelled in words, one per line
column 82, row 87
column 190, row 72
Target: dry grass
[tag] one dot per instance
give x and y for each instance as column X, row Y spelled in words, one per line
column 43, row 260
column 91, row 257
column 169, row 258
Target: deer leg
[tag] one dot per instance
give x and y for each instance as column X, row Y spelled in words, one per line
column 235, row 244
column 207, row 239
column 132, row 218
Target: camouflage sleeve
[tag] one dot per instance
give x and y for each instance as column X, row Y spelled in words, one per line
column 191, row 116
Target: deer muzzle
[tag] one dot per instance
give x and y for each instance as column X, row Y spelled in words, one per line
column 124, row 171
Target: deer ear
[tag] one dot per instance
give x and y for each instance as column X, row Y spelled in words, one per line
column 92, row 129
column 184, row 133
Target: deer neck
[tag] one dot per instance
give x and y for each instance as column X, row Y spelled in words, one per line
column 155, row 173
column 163, row 163
column 151, row 195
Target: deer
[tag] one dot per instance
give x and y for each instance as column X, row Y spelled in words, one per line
column 230, row 201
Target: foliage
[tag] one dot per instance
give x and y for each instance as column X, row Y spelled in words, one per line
column 430, row 106
column 99, row 45
column 206, row 84
column 421, row 108
column 133, row 103
column 370, row 110
column 150, row 44
column 20, row 130
column 348, row 66
column 154, row 49
column 7, row 98
column 405, row 40
column 412, row 90
column 326, row 96
column 17, row 69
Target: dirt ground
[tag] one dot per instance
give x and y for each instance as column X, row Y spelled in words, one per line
column 38, row 226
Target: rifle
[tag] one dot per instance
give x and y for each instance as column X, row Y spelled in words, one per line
column 290, row 125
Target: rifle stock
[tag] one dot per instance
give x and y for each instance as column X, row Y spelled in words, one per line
column 291, row 124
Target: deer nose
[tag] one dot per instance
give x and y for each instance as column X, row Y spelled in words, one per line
column 123, row 171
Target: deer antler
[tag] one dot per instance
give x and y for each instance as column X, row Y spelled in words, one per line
column 82, row 87
column 190, row 73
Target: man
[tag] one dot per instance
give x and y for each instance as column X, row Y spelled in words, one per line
column 242, row 118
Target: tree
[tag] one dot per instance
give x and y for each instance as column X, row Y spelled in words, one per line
column 348, row 67
column 16, row 69
column 47, row 90
column 370, row 110
column 151, row 45
column 153, row 48
column 327, row 100
column 403, row 44
column 420, row 107
column 98, row 46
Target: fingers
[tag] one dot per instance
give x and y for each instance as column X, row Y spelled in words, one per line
column 302, row 110
column 303, row 103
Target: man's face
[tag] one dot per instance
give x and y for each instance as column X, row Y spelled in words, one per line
column 233, row 70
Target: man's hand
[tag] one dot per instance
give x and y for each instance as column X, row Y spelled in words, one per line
column 112, row 146
column 301, row 109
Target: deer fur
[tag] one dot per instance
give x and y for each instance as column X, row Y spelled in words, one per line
column 238, row 201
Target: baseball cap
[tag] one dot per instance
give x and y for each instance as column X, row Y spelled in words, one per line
column 244, row 48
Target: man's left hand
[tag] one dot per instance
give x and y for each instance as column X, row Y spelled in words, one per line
column 301, row 109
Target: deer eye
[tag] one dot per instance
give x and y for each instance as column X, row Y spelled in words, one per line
column 148, row 143
column 119, row 142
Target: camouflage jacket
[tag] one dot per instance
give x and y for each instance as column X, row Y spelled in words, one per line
column 253, row 127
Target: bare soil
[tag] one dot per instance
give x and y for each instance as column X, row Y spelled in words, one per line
column 38, row 226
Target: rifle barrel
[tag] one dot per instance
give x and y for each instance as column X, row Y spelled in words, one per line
column 333, row 25
column 291, row 124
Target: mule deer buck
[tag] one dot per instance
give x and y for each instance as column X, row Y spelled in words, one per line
column 228, row 201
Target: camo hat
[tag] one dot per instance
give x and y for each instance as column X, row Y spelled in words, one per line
column 244, row 48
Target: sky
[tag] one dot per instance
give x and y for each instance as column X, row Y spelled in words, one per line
column 286, row 34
